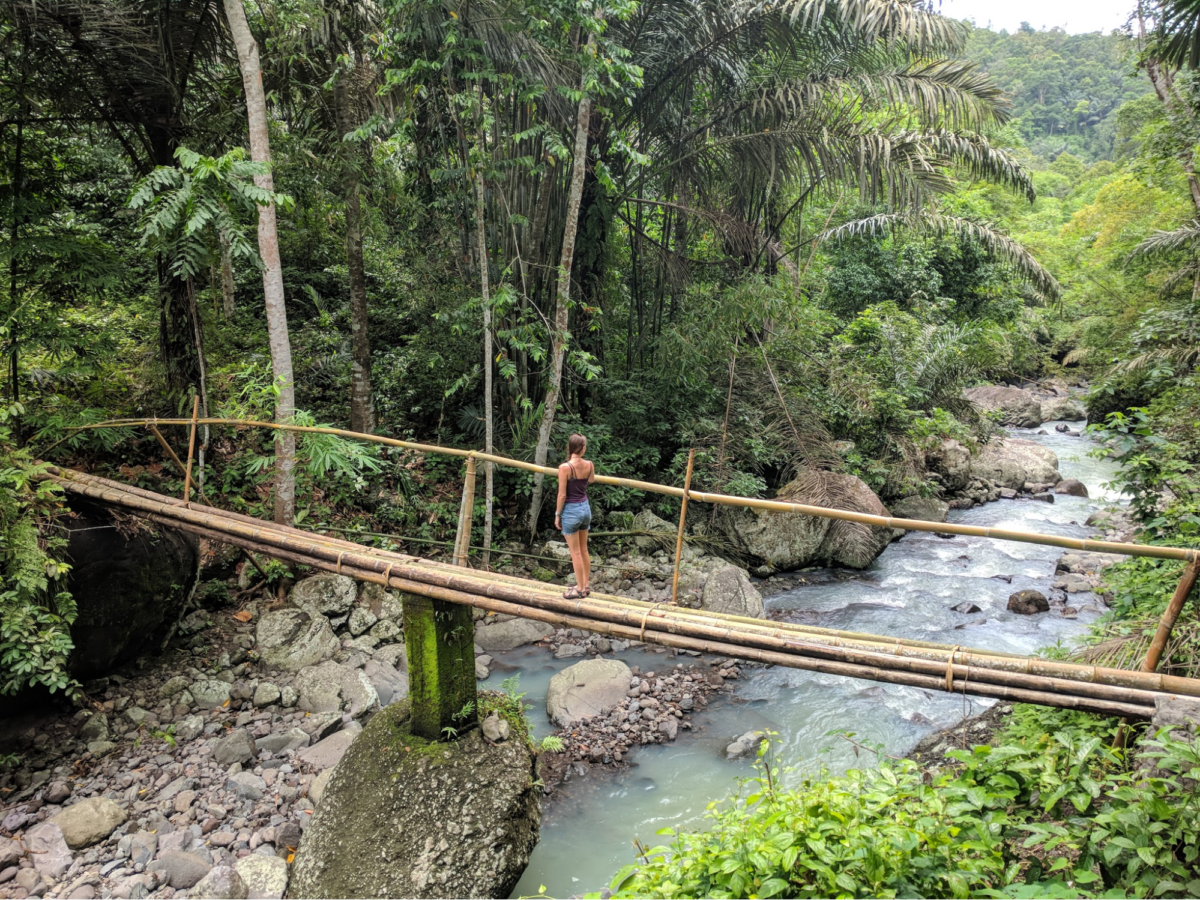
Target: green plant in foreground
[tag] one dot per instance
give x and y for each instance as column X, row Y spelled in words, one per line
column 36, row 611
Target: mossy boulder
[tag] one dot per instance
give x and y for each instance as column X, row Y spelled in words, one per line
column 406, row 817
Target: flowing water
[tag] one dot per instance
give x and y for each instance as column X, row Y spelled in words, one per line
column 589, row 824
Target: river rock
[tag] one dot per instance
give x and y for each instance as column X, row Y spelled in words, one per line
column 511, row 634
column 329, row 687
column 221, row 883
column 235, row 747
column 728, row 590
column 390, row 685
column 1072, row 487
column 1016, row 407
column 180, row 870
column 951, row 461
column 1028, row 603
column 49, row 851
column 787, row 540
column 746, row 745
column 1011, row 462
column 926, row 509
column 325, row 594
column 291, row 639
column 588, row 688
column 966, row 607
column 1063, row 409
column 10, row 852
column 89, row 821
column 209, row 694
column 95, row 728
column 188, row 728
column 265, row 877
column 452, row 820
column 328, row 752
column 129, row 585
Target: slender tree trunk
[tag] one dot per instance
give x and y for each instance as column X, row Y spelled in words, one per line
column 485, row 293
column 268, row 248
column 558, row 337
column 227, row 286
column 362, row 409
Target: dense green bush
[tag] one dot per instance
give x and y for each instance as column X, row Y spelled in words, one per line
column 35, row 609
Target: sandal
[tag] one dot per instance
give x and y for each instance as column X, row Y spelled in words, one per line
column 586, row 592
column 572, row 593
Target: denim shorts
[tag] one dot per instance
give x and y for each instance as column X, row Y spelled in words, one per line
column 576, row 516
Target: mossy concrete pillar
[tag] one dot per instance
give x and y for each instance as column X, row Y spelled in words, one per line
column 440, row 638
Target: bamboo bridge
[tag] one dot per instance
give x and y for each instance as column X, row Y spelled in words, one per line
column 438, row 597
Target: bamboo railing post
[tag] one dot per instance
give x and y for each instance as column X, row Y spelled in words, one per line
column 687, row 486
column 187, row 478
column 467, row 511
column 1163, row 633
column 1159, row 642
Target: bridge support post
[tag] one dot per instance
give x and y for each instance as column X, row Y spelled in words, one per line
column 440, row 639
column 466, row 510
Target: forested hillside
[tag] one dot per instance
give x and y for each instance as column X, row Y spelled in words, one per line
column 1068, row 90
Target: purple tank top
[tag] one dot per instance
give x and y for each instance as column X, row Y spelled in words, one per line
column 576, row 487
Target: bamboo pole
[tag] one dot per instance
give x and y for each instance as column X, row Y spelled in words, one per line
column 1169, row 617
column 1003, row 534
column 187, row 479
column 468, row 512
column 167, row 447
column 680, row 641
column 687, row 484
column 287, row 540
column 527, row 592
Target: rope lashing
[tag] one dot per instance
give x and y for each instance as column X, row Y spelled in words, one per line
column 646, row 615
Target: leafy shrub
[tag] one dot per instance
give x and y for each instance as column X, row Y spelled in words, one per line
column 36, row 611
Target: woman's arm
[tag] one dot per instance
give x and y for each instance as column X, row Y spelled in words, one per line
column 562, row 495
column 592, row 473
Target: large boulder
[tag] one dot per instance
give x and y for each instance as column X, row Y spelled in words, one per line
column 129, row 581
column 1011, row 462
column 728, row 590
column 1016, row 407
column 789, row 540
column 511, row 634
column 325, row 594
column 89, row 821
column 652, row 524
column 588, row 688
column 1063, row 409
column 926, row 509
column 1028, row 603
column 455, row 819
column 951, row 461
column 291, row 639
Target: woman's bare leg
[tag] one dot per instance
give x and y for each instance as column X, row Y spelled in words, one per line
column 576, row 560
column 585, row 558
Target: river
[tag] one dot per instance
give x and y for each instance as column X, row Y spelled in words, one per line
column 589, row 824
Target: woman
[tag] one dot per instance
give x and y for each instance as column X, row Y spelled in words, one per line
column 574, row 514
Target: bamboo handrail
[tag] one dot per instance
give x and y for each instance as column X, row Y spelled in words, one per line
column 980, row 672
column 1002, row 534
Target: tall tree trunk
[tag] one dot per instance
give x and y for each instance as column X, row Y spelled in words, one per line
column 179, row 335
column 268, row 248
column 362, row 409
column 14, row 300
column 485, row 292
column 227, row 286
column 558, row 337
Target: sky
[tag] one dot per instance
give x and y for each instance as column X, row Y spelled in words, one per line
column 1076, row 16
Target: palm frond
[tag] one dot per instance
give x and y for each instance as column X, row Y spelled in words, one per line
column 999, row 245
